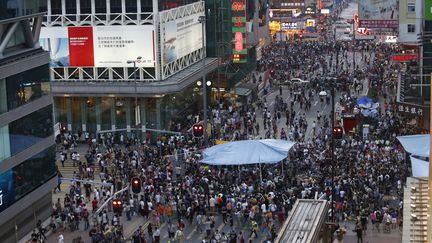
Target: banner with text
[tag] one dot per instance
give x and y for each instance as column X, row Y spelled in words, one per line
column 378, row 14
column 99, row 46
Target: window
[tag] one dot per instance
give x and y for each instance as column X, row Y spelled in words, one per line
column 100, row 6
column 411, row 7
column 26, row 177
column 71, row 7
column 411, row 28
column 56, row 7
column 24, row 87
column 30, row 129
column 85, row 7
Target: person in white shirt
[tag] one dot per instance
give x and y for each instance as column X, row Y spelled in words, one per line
column 60, row 238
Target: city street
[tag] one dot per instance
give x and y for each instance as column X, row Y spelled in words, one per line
column 190, row 230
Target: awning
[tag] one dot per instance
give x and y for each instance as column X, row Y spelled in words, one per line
column 245, row 89
column 420, row 168
column 416, row 144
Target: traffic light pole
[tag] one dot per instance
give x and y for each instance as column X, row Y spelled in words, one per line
column 202, row 20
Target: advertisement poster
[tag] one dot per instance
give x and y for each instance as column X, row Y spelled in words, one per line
column 7, row 195
column 59, row 51
column 99, row 46
column 115, row 45
column 81, row 46
column 181, row 37
column 378, row 13
column 56, row 42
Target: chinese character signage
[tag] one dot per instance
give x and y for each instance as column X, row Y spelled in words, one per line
column 404, row 58
column 238, row 10
column 289, row 26
column 411, row 109
column 378, row 14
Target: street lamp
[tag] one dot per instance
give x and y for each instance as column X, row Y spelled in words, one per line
column 202, row 21
column 137, row 112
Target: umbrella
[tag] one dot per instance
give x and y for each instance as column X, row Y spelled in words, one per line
column 364, row 101
column 323, row 93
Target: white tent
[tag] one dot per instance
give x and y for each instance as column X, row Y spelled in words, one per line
column 247, row 152
column 416, row 144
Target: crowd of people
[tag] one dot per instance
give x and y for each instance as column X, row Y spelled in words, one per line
column 366, row 176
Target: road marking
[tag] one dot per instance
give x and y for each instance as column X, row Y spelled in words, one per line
column 316, row 102
column 221, row 227
column 191, row 233
column 271, row 103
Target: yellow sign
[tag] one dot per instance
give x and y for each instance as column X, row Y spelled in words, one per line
column 220, row 142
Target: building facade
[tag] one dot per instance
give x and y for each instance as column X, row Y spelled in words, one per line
column 142, row 61
column 410, row 21
column 27, row 150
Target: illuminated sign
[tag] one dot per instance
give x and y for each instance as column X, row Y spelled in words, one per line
column 404, row 58
column 391, row 39
column 289, row 26
column 238, row 9
column 310, row 10
column 360, row 30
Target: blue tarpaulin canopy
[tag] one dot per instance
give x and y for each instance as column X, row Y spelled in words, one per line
column 247, row 152
column 420, row 168
column 364, row 100
column 416, row 144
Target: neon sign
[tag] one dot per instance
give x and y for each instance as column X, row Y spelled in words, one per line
column 238, row 9
column 360, row 30
column 404, row 58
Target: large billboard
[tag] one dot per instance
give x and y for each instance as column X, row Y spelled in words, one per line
column 181, row 37
column 378, row 13
column 99, row 46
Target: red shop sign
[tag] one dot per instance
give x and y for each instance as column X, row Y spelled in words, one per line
column 404, row 58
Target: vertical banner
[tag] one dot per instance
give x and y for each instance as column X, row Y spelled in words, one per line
column 81, row 49
column 428, row 10
column 238, row 9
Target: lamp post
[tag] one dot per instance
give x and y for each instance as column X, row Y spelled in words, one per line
column 136, row 94
column 202, row 21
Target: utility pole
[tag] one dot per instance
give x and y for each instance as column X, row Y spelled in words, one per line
column 332, row 157
column 202, row 20
column 354, row 46
column 136, row 93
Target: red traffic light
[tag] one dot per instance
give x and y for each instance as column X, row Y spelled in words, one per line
column 198, row 130
column 117, row 205
column 136, row 185
column 337, row 132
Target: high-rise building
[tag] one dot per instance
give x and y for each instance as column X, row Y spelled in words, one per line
column 126, row 67
column 27, row 150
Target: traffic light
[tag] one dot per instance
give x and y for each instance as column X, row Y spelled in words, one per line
column 136, row 185
column 198, row 130
column 337, row 132
column 117, row 206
